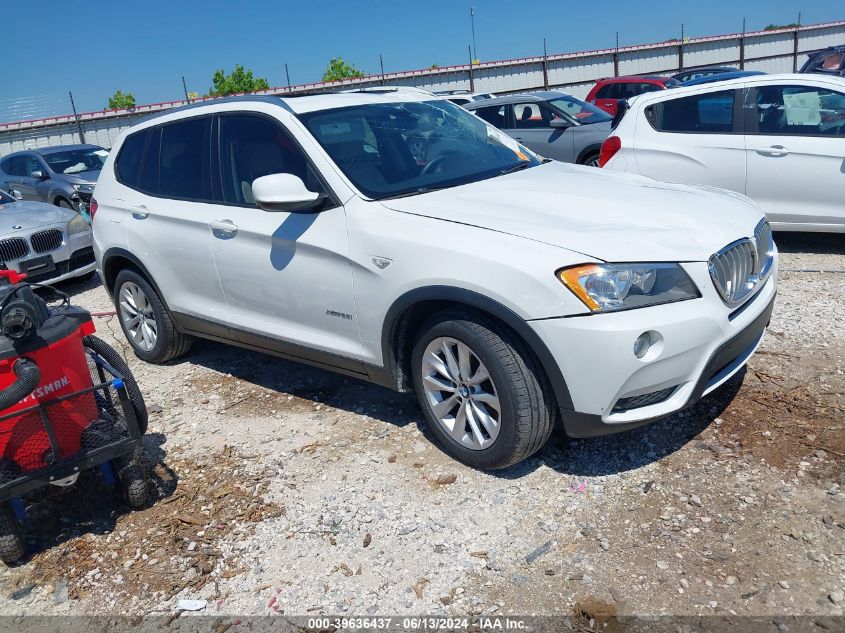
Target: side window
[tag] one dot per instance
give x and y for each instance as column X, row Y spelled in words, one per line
column 184, row 159
column 129, row 159
column 148, row 180
column 33, row 164
column 494, row 115
column 642, row 88
column 17, row 166
column 5, row 165
column 608, row 91
column 799, row 110
column 253, row 146
column 705, row 113
column 530, row 116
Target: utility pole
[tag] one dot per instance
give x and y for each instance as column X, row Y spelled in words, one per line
column 287, row 76
column 381, row 63
column 742, row 47
column 795, row 45
column 76, row 116
column 681, row 51
column 474, row 54
column 185, row 88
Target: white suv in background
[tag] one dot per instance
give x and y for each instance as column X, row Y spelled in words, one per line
column 779, row 139
column 397, row 238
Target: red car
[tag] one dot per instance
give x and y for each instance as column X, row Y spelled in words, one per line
column 607, row 92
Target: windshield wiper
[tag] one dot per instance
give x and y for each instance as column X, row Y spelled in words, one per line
column 513, row 168
column 413, row 192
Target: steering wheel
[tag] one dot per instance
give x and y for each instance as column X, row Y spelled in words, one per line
column 434, row 166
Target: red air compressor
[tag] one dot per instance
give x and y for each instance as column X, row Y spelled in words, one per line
column 67, row 402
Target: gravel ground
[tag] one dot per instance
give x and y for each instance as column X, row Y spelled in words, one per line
column 280, row 489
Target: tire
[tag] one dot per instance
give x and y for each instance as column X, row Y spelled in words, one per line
column 591, row 160
column 65, row 204
column 133, row 392
column 133, row 480
column 169, row 342
column 517, row 384
column 12, row 547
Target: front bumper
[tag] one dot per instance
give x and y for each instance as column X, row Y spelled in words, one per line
column 700, row 345
column 74, row 258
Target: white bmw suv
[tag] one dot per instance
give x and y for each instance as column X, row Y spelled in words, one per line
column 394, row 237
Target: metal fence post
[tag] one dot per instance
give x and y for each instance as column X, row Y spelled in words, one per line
column 287, row 76
column 381, row 63
column 616, row 57
column 76, row 117
column 471, row 78
column 742, row 47
column 545, row 66
column 681, row 51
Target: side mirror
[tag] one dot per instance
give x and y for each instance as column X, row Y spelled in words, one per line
column 559, row 124
column 17, row 195
column 38, row 175
column 284, row 192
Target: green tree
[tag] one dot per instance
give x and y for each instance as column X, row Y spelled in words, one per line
column 121, row 100
column 776, row 27
column 339, row 69
column 239, row 80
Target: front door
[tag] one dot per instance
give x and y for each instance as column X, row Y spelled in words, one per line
column 286, row 276
column 21, row 180
column 795, row 143
column 532, row 127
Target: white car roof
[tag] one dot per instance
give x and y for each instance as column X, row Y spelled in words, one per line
column 301, row 105
column 804, row 78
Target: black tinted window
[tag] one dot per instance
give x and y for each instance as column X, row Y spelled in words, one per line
column 18, row 166
column 608, row 91
column 149, row 179
column 707, row 113
column 494, row 115
column 184, row 159
column 129, row 160
column 799, row 110
column 254, row 146
column 4, row 165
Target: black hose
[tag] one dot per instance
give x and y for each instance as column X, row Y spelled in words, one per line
column 28, row 376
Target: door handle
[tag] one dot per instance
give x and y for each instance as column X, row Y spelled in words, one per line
column 518, row 139
column 140, row 212
column 227, row 227
column 774, row 150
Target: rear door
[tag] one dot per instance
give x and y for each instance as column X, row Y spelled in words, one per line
column 795, row 144
column 22, row 168
column 608, row 96
column 695, row 139
column 532, row 128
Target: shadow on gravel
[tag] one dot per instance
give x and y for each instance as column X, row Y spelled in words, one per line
column 816, row 243
column 599, row 456
column 56, row 515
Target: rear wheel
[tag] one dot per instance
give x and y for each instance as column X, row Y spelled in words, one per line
column 144, row 320
column 482, row 392
column 591, row 160
column 12, row 547
column 133, row 392
column 132, row 478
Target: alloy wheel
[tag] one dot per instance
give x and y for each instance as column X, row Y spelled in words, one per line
column 460, row 393
column 137, row 316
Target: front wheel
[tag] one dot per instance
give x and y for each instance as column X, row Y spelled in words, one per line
column 481, row 390
column 12, row 547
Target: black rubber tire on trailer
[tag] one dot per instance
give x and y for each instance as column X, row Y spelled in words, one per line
column 133, row 480
column 527, row 406
column 12, row 546
column 170, row 342
column 133, row 392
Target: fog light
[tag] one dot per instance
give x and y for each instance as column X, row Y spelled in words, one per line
column 641, row 345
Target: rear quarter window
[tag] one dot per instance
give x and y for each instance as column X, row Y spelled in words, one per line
column 128, row 162
column 709, row 113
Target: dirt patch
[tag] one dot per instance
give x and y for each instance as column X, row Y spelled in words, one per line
column 175, row 543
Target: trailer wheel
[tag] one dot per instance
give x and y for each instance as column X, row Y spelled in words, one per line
column 12, row 547
column 114, row 359
column 133, row 480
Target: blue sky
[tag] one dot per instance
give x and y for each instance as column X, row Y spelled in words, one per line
column 145, row 47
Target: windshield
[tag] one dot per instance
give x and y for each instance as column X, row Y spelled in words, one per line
column 75, row 161
column 402, row 148
column 580, row 111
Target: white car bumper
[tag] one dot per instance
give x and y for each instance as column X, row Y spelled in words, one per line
column 699, row 345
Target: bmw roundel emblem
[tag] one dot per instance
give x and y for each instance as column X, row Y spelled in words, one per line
column 17, row 227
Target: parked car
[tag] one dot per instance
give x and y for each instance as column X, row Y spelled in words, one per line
column 709, row 79
column 553, row 124
column 505, row 291
column 697, row 73
column 830, row 61
column 778, row 139
column 47, row 243
column 608, row 92
column 63, row 175
column 464, row 97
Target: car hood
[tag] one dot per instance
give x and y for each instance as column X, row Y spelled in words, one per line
column 604, row 215
column 602, row 128
column 82, row 177
column 30, row 215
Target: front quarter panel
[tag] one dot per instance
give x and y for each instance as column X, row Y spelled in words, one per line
column 419, row 252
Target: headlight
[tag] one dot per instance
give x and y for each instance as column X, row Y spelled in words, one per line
column 612, row 287
column 77, row 225
column 84, row 188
